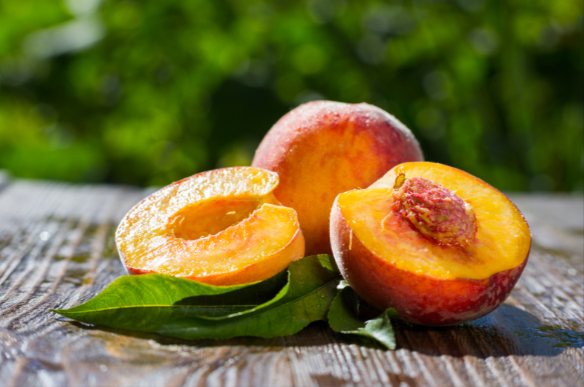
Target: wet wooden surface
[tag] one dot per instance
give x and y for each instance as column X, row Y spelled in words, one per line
column 57, row 250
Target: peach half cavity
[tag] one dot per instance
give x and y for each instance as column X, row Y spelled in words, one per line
column 222, row 227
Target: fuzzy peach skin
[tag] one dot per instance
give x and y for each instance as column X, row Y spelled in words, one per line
column 428, row 280
column 222, row 227
column 323, row 148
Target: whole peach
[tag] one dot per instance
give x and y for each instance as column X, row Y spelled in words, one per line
column 323, row 148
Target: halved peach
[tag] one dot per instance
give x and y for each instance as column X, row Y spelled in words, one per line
column 222, row 227
column 435, row 243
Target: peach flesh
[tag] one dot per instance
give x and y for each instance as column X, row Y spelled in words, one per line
column 209, row 218
column 222, row 227
column 428, row 281
column 323, row 148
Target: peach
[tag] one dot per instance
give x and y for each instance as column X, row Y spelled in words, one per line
column 323, row 148
column 437, row 244
column 222, row 227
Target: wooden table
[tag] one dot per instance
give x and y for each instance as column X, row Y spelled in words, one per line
column 57, row 250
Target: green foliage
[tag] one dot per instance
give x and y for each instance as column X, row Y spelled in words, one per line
column 149, row 92
column 131, row 302
column 343, row 317
column 190, row 310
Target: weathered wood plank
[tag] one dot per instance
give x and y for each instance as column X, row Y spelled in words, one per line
column 57, row 250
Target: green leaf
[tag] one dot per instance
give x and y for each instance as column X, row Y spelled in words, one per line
column 187, row 309
column 239, row 301
column 328, row 263
column 344, row 318
column 313, row 286
column 146, row 301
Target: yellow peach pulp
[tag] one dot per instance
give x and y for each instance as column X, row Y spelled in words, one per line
column 502, row 238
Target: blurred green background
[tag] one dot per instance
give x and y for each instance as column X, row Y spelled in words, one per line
column 148, row 92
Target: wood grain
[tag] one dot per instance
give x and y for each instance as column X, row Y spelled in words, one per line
column 57, row 250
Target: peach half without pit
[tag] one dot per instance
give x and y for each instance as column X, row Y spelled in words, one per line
column 323, row 148
column 438, row 245
column 222, row 227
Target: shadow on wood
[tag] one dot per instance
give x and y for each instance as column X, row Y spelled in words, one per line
column 318, row 333
column 506, row 331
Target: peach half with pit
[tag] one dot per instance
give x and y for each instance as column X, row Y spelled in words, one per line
column 222, row 227
column 433, row 242
column 323, row 148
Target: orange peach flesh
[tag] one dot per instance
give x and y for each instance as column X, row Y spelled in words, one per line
column 501, row 235
column 222, row 227
column 390, row 263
